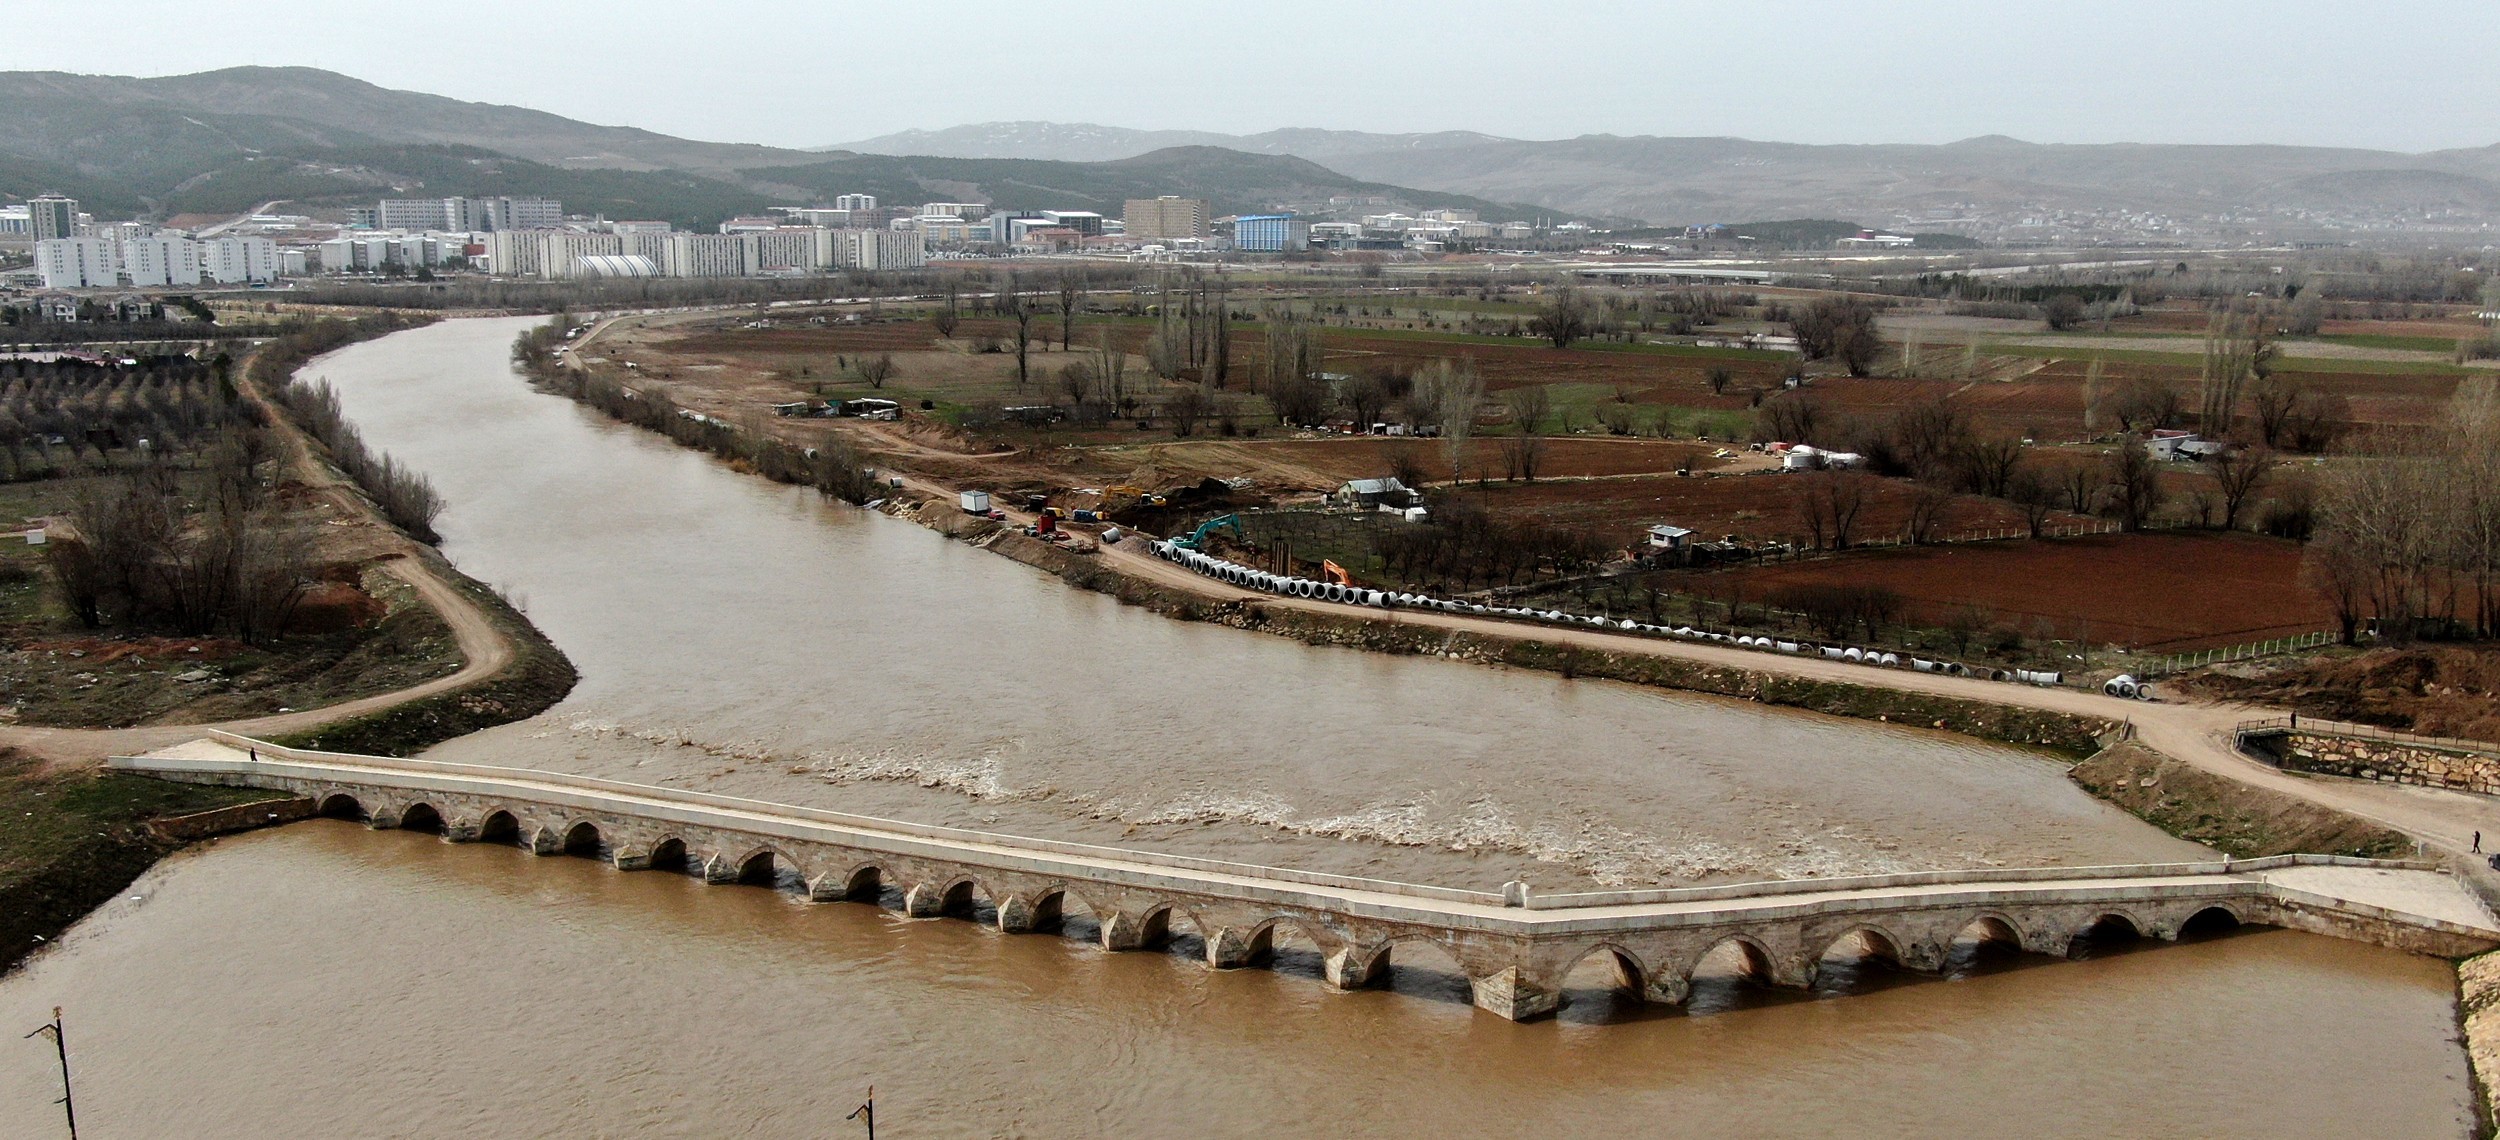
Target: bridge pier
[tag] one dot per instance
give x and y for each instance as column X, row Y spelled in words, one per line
column 1510, row 994
column 925, row 900
column 632, row 859
column 461, row 831
column 719, row 869
column 1017, row 916
column 1125, row 930
column 546, row 841
column 1350, row 968
column 1228, row 949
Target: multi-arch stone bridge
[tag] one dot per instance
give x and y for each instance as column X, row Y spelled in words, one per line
column 1515, row 948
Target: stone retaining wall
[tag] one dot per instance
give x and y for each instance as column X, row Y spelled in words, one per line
column 2389, row 761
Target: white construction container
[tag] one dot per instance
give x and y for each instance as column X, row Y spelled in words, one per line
column 976, row 502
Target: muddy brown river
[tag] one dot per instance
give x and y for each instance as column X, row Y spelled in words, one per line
column 734, row 636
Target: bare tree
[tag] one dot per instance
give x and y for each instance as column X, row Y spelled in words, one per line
column 2238, row 473
column 1016, row 306
column 1186, row 407
column 1447, row 394
column 1564, row 319
column 1931, row 509
column 1839, row 328
column 1829, row 502
column 2133, row 482
column 1717, row 380
column 876, row 370
column 1524, row 450
column 1071, row 301
column 948, row 314
column 1791, row 417
column 2028, row 489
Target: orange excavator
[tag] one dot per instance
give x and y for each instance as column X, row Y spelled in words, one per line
column 1329, row 570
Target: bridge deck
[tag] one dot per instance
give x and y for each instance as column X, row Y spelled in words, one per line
column 1513, row 946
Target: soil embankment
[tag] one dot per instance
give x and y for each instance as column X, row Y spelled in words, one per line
column 2431, row 691
column 2227, row 815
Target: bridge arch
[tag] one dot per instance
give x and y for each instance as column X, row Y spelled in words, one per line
column 1876, row 942
column 863, row 883
column 1624, row 970
column 765, row 866
column 1747, row 954
column 669, row 854
column 1990, row 929
column 340, row 805
column 421, row 816
column 2216, row 918
column 2105, row 929
column 499, row 826
column 582, row 839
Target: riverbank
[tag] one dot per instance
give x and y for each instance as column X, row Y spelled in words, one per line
column 2068, row 735
column 71, row 839
column 71, row 835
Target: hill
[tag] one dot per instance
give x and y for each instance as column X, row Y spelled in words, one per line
column 1682, row 180
column 1093, row 142
column 1231, row 181
column 119, row 122
column 224, row 141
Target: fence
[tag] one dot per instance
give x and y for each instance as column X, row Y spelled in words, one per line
column 2181, row 662
column 2322, row 727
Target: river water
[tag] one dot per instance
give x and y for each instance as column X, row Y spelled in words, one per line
column 740, row 637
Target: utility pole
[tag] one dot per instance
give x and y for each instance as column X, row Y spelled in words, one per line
column 867, row 1112
column 60, row 1046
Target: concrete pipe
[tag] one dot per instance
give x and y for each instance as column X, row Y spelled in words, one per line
column 1889, row 660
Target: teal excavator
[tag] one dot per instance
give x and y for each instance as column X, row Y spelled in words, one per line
column 1197, row 539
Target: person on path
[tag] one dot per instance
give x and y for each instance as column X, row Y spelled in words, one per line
column 2478, row 843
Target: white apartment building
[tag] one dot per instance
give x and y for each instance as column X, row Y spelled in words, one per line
column 77, row 263
column 879, row 249
column 158, row 262
column 238, row 260
column 953, row 209
column 802, row 248
column 851, row 202
column 16, row 221
column 705, row 255
column 469, row 214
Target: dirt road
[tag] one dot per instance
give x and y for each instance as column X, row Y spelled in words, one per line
column 484, row 650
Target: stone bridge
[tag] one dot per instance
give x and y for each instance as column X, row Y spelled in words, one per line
column 1514, row 948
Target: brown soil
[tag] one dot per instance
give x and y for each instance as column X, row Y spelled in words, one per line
column 1756, row 508
column 2165, row 592
column 2231, row 817
column 2435, row 691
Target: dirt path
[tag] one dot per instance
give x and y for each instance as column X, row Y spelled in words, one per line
column 484, row 650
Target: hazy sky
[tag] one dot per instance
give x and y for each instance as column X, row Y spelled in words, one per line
column 2403, row 74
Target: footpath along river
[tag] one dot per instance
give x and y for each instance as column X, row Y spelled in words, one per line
column 745, row 638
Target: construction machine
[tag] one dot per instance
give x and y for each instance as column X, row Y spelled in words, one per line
column 1197, row 539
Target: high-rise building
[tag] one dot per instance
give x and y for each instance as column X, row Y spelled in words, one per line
column 159, row 261
column 52, row 216
column 1168, row 218
column 237, row 260
column 855, row 202
column 77, row 263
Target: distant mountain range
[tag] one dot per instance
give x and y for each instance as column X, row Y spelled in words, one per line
column 224, row 141
column 1093, row 142
column 1686, row 180
column 227, row 140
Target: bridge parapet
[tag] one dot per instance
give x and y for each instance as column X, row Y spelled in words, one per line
column 1516, row 949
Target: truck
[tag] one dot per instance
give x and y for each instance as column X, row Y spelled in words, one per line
column 975, row 502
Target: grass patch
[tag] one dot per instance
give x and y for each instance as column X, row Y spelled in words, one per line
column 70, row 840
